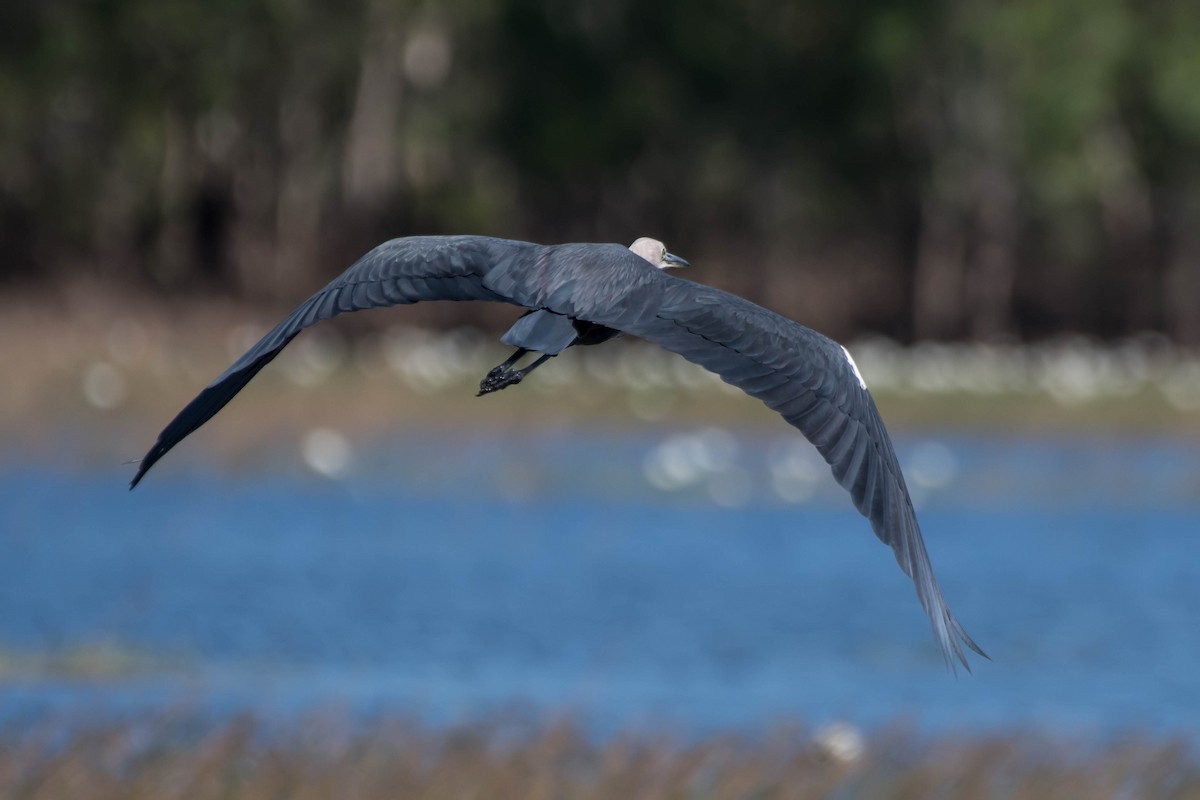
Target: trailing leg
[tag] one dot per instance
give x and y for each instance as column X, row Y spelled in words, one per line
column 504, row 375
column 507, row 365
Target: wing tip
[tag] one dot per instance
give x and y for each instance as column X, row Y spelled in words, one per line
column 951, row 637
column 143, row 467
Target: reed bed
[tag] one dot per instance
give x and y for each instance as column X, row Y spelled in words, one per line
column 248, row 759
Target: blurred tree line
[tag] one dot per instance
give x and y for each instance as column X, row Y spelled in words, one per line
column 922, row 168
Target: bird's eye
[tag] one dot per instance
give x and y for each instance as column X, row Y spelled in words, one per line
column 664, row 253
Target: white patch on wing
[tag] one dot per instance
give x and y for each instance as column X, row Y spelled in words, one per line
column 853, row 366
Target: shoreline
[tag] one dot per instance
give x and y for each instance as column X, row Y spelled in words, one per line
column 111, row 381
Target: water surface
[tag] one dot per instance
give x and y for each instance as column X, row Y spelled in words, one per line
column 700, row 581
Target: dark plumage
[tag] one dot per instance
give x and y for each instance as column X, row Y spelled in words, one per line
column 588, row 293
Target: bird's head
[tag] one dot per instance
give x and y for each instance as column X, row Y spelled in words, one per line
column 656, row 253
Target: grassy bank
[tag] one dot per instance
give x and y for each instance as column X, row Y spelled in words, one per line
column 98, row 375
column 165, row 758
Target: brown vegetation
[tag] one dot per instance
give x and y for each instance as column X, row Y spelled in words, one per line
column 327, row 757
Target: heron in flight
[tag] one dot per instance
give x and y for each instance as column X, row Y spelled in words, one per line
column 586, row 294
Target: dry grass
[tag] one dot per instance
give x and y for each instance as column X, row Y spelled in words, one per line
column 165, row 758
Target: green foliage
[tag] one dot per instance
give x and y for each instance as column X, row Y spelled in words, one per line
column 922, row 168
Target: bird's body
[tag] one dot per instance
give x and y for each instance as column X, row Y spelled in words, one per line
column 579, row 294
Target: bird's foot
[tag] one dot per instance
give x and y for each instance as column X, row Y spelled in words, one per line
column 498, row 379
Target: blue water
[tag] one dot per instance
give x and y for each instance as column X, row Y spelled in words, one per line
column 451, row 580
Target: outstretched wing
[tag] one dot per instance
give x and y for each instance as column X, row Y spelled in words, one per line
column 809, row 379
column 396, row 272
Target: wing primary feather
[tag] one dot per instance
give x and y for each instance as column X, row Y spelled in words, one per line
column 201, row 409
column 846, row 458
